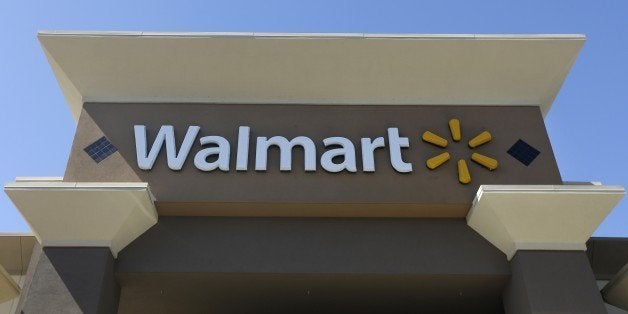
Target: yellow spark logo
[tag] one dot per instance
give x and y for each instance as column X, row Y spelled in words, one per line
column 464, row 176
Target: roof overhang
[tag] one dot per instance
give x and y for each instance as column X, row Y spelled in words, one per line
column 84, row 214
column 541, row 217
column 358, row 69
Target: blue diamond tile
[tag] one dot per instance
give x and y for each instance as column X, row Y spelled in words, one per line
column 523, row 152
column 100, row 149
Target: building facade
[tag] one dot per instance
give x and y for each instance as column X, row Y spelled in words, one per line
column 248, row 173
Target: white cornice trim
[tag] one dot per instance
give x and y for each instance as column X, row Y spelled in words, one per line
column 311, row 35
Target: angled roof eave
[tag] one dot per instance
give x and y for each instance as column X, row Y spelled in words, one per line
column 353, row 69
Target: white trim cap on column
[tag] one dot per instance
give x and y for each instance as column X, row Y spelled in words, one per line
column 110, row 214
column 541, row 217
column 9, row 289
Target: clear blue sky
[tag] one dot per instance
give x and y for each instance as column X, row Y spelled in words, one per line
column 587, row 124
